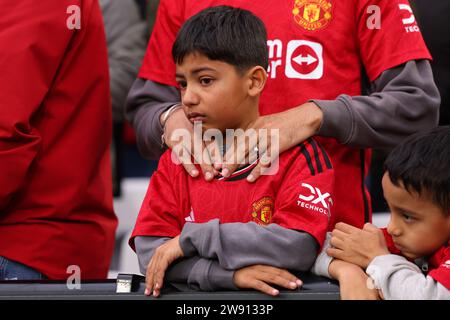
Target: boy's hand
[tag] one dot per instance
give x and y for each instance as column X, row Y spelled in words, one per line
column 161, row 260
column 258, row 277
column 353, row 281
column 294, row 126
column 358, row 246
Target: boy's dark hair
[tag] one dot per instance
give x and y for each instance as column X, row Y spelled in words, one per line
column 422, row 164
column 232, row 35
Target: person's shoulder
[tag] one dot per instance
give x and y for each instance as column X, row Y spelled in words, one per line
column 310, row 152
column 168, row 162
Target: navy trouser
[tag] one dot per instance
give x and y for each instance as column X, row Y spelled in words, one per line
column 11, row 270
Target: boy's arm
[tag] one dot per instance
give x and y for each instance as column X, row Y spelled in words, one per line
column 237, row 245
column 399, row 279
column 195, row 272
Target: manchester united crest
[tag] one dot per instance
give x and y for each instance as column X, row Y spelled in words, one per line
column 312, row 14
column 262, row 211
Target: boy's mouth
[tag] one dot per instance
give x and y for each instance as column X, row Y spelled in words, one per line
column 399, row 247
column 195, row 116
column 403, row 250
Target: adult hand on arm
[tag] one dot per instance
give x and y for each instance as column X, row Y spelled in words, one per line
column 353, row 281
column 259, row 277
column 161, row 260
column 357, row 246
column 295, row 126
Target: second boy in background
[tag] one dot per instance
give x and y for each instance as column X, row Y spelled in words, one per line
column 231, row 234
column 410, row 259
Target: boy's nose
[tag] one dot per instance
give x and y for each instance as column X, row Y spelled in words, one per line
column 393, row 228
column 190, row 98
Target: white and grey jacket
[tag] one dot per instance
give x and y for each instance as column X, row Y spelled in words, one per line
column 400, row 279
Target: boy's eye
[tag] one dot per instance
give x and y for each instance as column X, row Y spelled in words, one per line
column 407, row 217
column 206, row 81
column 182, row 84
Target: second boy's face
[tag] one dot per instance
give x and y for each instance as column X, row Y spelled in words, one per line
column 214, row 93
column 417, row 226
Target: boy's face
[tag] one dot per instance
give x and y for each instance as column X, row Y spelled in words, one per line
column 214, row 93
column 417, row 226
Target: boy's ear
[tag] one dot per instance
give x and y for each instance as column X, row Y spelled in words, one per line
column 257, row 78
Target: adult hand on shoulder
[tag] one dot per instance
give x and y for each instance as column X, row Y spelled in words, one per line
column 259, row 277
column 162, row 258
column 179, row 137
column 294, row 126
column 358, row 246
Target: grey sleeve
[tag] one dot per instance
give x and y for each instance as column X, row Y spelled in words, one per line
column 404, row 100
column 399, row 279
column 145, row 103
column 237, row 245
column 194, row 273
column 126, row 39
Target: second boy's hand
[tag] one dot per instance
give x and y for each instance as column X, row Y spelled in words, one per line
column 357, row 246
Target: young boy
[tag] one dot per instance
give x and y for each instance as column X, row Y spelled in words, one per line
column 229, row 234
column 411, row 258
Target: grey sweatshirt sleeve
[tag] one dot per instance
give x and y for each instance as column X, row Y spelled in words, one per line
column 145, row 103
column 404, row 100
column 399, row 279
column 126, row 38
column 237, row 245
column 194, row 273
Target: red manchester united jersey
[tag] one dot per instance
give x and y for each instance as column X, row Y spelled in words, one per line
column 298, row 196
column 317, row 49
